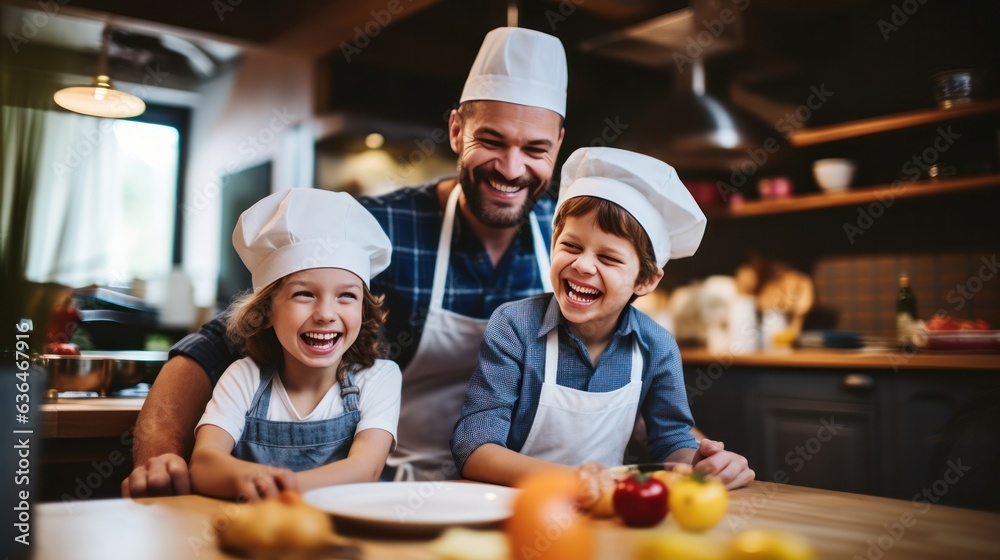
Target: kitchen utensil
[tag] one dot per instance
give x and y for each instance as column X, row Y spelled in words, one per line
column 128, row 368
column 834, row 174
column 102, row 371
column 76, row 373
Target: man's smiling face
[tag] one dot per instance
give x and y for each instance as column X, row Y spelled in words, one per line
column 506, row 157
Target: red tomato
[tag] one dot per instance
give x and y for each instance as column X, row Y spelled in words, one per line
column 63, row 348
column 641, row 501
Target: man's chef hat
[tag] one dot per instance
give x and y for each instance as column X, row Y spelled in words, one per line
column 299, row 229
column 521, row 66
column 646, row 188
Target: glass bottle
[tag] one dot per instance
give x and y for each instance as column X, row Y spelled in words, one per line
column 906, row 311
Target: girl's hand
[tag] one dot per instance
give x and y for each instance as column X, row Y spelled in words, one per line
column 257, row 482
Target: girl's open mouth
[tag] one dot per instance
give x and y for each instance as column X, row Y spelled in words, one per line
column 321, row 341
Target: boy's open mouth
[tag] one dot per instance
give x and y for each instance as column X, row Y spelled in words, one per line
column 580, row 293
column 321, row 341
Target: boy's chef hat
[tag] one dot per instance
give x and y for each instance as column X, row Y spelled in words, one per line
column 298, row 229
column 521, row 66
column 645, row 187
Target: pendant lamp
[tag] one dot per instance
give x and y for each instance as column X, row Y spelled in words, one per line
column 100, row 99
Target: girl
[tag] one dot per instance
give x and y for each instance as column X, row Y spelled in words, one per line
column 311, row 405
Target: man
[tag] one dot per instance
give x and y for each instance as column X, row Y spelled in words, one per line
column 461, row 248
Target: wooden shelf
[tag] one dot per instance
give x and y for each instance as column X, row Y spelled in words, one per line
column 853, row 129
column 889, row 361
column 913, row 189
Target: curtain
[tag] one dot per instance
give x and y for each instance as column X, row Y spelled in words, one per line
column 25, row 97
column 76, row 204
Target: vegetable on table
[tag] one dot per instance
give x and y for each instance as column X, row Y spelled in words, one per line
column 641, row 500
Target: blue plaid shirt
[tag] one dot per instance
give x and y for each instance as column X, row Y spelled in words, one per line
column 412, row 218
column 503, row 393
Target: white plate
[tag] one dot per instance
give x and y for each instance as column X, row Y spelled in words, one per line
column 416, row 505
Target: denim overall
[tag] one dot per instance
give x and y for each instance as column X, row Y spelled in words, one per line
column 297, row 446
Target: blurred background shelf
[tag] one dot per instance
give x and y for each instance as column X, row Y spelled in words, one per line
column 854, row 129
column 856, row 196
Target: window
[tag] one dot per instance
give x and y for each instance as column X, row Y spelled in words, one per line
column 104, row 207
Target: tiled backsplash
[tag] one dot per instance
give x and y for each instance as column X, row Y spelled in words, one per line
column 861, row 290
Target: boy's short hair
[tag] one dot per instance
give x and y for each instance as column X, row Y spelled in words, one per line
column 249, row 330
column 612, row 219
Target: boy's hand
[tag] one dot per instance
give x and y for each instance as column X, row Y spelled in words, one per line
column 730, row 468
column 257, row 482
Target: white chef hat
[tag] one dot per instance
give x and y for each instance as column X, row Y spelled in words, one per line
column 299, row 229
column 521, row 66
column 646, row 188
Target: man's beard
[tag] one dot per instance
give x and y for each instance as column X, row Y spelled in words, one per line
column 488, row 212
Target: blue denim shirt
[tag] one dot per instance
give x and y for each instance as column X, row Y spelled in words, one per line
column 503, row 393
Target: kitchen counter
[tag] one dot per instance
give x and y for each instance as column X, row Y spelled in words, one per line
column 838, row 524
column 89, row 417
column 829, row 358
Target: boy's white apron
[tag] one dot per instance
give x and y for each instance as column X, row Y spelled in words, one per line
column 573, row 427
column 435, row 380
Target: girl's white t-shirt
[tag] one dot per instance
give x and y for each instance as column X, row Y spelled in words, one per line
column 378, row 399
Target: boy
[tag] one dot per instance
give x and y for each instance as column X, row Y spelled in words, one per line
column 619, row 218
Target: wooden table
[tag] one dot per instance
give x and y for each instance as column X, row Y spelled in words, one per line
column 839, row 525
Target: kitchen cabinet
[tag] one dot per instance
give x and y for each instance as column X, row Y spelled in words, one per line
column 874, row 431
column 86, row 447
column 819, row 428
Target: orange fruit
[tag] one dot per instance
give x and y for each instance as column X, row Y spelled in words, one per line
column 545, row 523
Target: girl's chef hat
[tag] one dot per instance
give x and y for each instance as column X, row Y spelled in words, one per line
column 645, row 187
column 520, row 66
column 298, row 229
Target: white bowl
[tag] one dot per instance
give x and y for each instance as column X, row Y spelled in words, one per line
column 834, row 174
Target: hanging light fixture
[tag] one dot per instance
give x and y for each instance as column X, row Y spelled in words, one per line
column 100, row 99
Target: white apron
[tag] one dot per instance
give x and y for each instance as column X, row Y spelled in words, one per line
column 435, row 381
column 573, row 427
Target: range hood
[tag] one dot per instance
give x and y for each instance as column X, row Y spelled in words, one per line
column 688, row 127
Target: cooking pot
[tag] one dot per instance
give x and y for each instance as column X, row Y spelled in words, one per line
column 101, row 371
column 130, row 367
column 76, row 373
